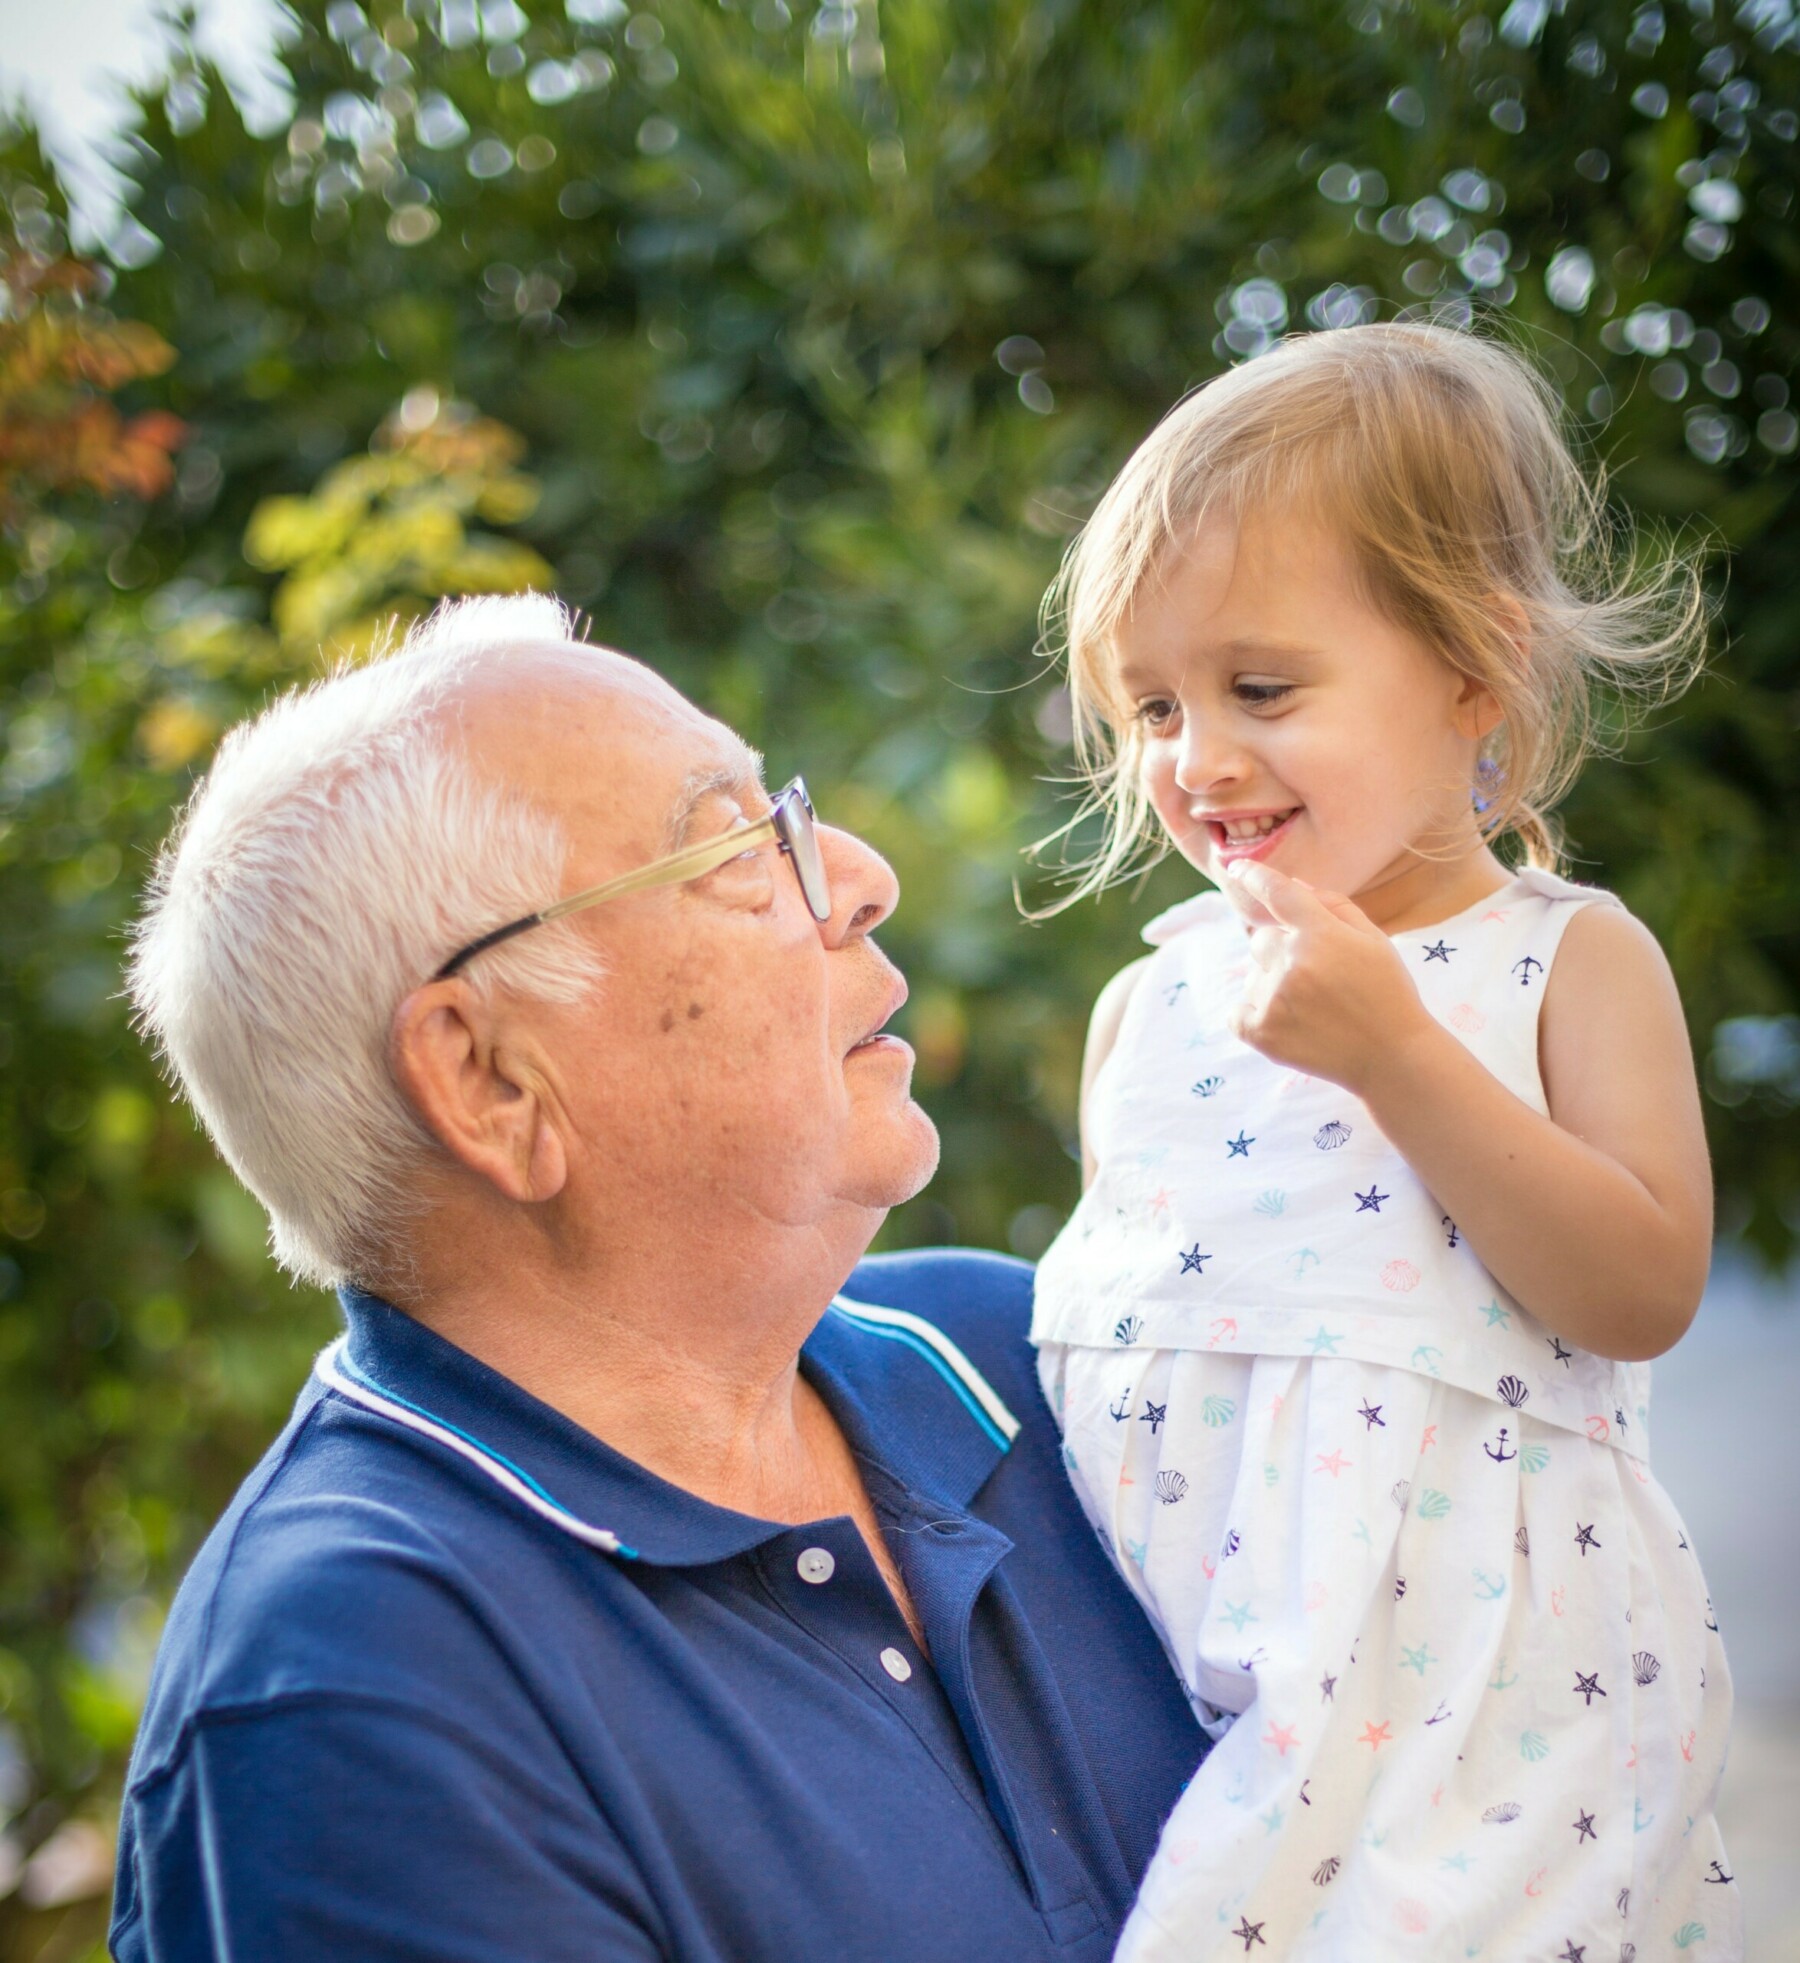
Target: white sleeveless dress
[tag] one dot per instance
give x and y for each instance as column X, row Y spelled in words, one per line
column 1399, row 1537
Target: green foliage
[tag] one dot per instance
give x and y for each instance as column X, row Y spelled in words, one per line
column 821, row 334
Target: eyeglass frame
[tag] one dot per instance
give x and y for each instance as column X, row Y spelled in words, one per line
column 691, row 862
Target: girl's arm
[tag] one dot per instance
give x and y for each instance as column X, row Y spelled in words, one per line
column 1598, row 1219
column 1103, row 1033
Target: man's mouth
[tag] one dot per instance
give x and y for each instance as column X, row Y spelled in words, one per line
column 1250, row 834
column 880, row 1037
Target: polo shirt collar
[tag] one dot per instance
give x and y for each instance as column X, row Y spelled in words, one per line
column 905, row 1397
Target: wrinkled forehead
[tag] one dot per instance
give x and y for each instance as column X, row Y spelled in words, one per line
column 607, row 745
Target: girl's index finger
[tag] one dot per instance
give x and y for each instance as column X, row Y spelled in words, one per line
column 1287, row 901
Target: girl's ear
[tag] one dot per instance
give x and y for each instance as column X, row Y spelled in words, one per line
column 1479, row 711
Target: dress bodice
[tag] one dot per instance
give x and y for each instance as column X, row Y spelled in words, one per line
column 1242, row 1206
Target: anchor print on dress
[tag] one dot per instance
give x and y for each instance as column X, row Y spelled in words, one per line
column 1526, row 969
column 1497, row 1451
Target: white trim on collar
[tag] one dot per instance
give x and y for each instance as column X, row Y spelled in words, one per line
column 329, row 1370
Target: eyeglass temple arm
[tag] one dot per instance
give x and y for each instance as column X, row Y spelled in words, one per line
column 662, row 872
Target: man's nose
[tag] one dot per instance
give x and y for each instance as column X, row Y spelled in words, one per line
column 864, row 890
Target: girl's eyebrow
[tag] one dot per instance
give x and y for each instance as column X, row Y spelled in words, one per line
column 1249, row 644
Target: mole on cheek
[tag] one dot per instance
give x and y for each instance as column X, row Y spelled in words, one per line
column 668, row 1020
column 695, row 1012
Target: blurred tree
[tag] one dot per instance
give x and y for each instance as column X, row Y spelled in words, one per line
column 822, row 326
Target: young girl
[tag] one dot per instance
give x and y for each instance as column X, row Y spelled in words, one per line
column 1396, row 1179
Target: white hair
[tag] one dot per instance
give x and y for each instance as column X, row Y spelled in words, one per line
column 335, row 854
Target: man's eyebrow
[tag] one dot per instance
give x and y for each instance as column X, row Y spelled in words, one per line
column 731, row 779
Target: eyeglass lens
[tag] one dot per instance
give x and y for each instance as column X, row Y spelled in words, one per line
column 802, row 842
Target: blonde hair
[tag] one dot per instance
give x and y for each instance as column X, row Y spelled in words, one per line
column 1439, row 458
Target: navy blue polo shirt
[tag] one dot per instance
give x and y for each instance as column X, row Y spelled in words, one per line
column 454, row 1680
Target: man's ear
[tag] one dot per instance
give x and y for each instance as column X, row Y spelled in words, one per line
column 477, row 1086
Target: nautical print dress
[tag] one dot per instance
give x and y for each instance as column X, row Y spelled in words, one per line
column 1400, row 1538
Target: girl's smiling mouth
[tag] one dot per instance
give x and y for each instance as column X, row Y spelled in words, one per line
column 1247, row 834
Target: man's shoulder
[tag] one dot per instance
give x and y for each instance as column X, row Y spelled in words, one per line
column 980, row 1301
column 340, row 1551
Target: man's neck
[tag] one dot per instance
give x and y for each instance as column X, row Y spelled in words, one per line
column 689, row 1367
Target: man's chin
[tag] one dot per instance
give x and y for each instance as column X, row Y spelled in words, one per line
column 905, row 1166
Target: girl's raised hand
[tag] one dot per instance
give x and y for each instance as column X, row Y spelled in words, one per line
column 1329, row 994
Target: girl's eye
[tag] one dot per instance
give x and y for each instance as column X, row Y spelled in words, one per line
column 1262, row 695
column 1155, row 711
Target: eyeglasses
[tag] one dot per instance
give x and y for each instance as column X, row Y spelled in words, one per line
column 789, row 823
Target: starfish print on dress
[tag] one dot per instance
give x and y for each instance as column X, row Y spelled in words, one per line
column 1326, row 1686
column 1584, row 1539
column 1571, row 1952
column 1460, row 1862
column 1584, row 1828
column 1237, row 1614
column 1193, row 1262
column 1283, row 1737
column 1440, row 953
column 1239, row 1147
column 1335, row 1463
column 1562, row 1355
column 1496, row 1315
column 1249, row 1932
column 1371, row 1415
column 1370, row 1202
column 1377, row 1735
column 1153, row 1416
column 1417, row 1659
column 1588, row 1687
column 1324, row 1342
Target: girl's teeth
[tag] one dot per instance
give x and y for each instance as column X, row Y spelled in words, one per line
column 1238, row 830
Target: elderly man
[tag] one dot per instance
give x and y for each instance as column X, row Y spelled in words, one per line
column 619, row 1588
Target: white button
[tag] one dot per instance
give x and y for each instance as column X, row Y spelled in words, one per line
column 895, row 1665
column 816, row 1564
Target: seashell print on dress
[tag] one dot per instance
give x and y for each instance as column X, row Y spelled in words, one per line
column 1644, row 1666
column 1170, row 1487
column 1511, row 1391
column 1329, row 1137
column 1400, row 1276
column 1128, row 1329
column 1499, row 1816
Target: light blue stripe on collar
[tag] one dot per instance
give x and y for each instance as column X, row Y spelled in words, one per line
column 977, row 1395
column 334, row 1370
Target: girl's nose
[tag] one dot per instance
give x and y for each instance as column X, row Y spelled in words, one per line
column 864, row 889
column 1208, row 755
